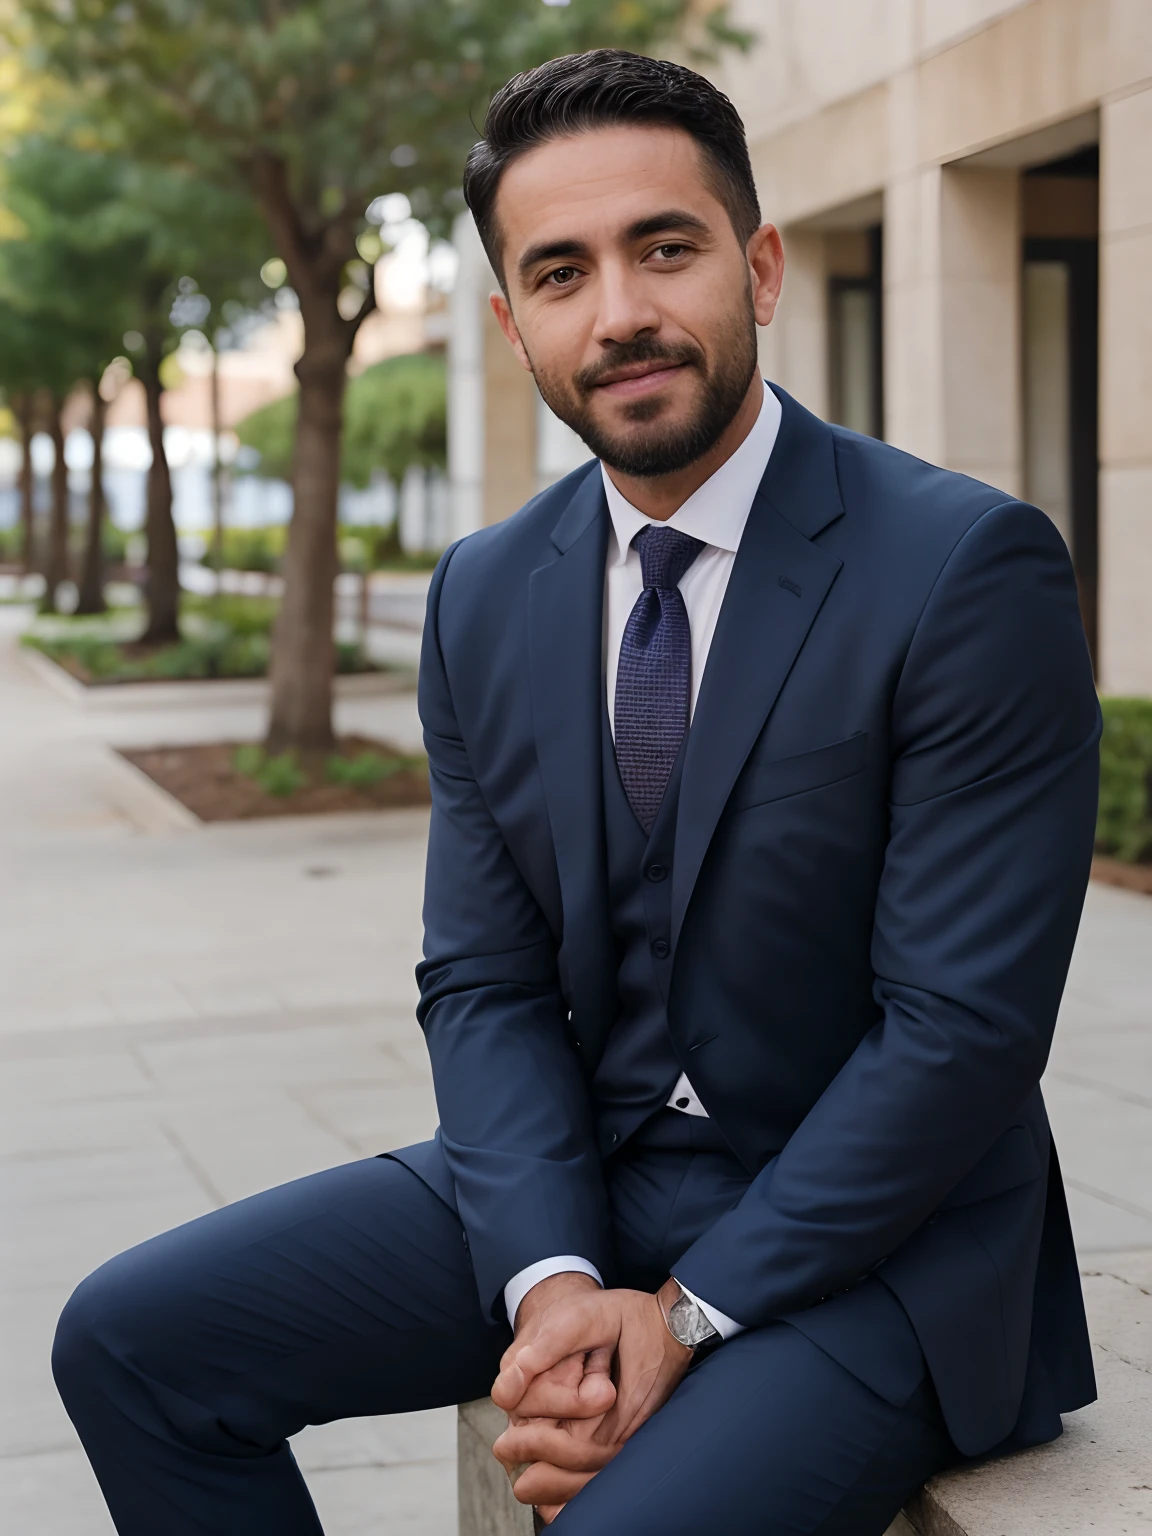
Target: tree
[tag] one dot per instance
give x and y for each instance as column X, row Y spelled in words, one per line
column 91, row 594
column 18, row 385
column 69, row 290
column 200, row 249
column 316, row 107
column 105, row 251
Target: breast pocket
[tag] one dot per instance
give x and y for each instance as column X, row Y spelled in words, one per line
column 782, row 776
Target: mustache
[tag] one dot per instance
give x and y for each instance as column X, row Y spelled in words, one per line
column 643, row 349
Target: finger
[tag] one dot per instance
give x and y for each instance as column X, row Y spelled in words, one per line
column 543, row 1440
column 566, row 1374
column 547, row 1398
column 541, row 1484
column 548, row 1512
column 571, row 1333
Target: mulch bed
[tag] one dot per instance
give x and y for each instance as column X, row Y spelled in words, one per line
column 1133, row 877
column 207, row 781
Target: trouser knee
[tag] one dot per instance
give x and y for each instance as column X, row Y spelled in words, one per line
column 87, row 1334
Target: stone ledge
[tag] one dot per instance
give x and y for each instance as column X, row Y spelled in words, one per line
column 1097, row 1478
column 487, row 1507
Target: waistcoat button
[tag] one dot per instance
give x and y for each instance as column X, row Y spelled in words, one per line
column 660, row 948
column 656, row 872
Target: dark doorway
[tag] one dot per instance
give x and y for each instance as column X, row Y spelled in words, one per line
column 855, row 345
column 1060, row 304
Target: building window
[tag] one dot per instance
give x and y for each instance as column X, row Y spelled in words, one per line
column 1047, row 391
column 1059, row 302
column 855, row 336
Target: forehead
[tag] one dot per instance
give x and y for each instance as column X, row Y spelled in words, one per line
column 589, row 186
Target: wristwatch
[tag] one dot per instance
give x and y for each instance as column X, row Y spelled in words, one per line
column 687, row 1322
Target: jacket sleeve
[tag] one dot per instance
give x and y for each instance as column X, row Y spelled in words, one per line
column 995, row 725
column 515, row 1117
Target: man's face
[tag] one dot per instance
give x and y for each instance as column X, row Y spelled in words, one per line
column 630, row 296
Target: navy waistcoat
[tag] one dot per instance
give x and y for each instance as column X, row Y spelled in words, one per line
column 639, row 1067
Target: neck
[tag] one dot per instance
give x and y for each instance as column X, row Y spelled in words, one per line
column 659, row 496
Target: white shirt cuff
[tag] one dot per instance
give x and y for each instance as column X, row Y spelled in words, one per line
column 727, row 1327
column 564, row 1264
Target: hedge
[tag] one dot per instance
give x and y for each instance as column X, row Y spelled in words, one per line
column 1124, row 825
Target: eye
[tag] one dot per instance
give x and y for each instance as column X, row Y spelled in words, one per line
column 561, row 276
column 670, row 251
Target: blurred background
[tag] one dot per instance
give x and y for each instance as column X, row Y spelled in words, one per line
column 250, row 387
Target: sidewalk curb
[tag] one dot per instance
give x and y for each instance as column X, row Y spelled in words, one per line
column 49, row 672
column 196, row 692
column 150, row 807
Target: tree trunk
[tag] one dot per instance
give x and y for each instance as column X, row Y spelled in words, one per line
column 163, row 585
column 217, row 487
column 92, row 580
column 303, row 652
column 365, row 598
column 26, row 416
column 56, row 565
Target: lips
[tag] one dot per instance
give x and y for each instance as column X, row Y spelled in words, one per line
column 640, row 378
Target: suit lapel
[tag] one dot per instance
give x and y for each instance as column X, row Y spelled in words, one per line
column 778, row 584
column 565, row 628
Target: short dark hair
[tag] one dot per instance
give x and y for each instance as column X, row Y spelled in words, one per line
column 607, row 88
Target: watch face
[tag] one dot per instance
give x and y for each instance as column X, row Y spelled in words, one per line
column 688, row 1324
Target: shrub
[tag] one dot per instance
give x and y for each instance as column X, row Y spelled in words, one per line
column 281, row 775
column 1124, row 825
column 248, row 760
column 350, row 657
column 364, row 771
column 249, row 549
column 242, row 615
column 226, row 636
column 115, row 543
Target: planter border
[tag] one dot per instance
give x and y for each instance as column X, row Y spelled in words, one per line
column 198, row 690
column 1129, row 877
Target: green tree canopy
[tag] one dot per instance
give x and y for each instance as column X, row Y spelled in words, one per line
column 103, row 246
column 394, row 417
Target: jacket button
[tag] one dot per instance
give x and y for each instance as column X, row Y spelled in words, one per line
column 660, row 948
column 656, row 872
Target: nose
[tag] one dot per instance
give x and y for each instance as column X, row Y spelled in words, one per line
column 627, row 308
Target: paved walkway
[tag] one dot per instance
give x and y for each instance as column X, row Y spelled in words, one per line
column 192, row 1014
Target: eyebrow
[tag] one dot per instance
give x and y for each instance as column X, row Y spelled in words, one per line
column 651, row 224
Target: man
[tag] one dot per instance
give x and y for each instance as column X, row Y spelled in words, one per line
column 764, row 774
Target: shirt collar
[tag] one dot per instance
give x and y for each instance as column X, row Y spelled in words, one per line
column 717, row 512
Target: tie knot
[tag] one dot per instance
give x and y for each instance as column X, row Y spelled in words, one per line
column 665, row 554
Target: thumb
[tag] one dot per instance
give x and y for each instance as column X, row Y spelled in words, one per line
column 557, row 1339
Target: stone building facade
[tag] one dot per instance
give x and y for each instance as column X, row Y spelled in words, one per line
column 964, row 189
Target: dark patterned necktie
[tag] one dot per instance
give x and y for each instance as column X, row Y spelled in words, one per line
column 654, row 676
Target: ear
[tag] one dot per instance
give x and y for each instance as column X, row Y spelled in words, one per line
column 503, row 312
column 766, row 262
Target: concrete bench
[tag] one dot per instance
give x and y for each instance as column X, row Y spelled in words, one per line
column 487, row 1507
column 1095, row 1481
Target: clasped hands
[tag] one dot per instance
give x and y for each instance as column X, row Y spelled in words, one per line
column 587, row 1367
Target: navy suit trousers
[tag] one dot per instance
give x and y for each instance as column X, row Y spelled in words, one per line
column 186, row 1364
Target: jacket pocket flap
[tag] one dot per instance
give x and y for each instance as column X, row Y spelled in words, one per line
column 774, row 780
column 1009, row 1162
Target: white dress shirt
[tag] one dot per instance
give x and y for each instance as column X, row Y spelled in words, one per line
column 716, row 515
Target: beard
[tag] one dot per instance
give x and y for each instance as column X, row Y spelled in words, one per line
column 647, row 448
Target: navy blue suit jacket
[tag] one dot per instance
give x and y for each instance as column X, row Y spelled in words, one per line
column 885, row 829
